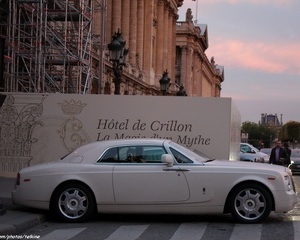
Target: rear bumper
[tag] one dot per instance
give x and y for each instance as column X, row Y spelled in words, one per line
column 18, row 200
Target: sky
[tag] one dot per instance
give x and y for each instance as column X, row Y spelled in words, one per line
column 258, row 43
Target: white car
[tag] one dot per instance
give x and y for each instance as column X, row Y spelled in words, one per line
column 248, row 148
column 153, row 176
column 250, row 157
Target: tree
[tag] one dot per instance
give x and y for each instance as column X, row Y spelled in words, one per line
column 290, row 132
column 259, row 134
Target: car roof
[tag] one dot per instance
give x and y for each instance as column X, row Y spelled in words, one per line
column 134, row 141
column 93, row 150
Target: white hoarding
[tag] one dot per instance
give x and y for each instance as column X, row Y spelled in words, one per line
column 37, row 128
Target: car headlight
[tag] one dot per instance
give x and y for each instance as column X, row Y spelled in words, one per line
column 289, row 182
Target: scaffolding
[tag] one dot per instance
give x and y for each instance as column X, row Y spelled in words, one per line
column 51, row 46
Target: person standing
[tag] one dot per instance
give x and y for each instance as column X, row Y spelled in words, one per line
column 278, row 154
column 288, row 153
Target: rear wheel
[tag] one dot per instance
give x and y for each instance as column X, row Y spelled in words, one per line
column 250, row 203
column 73, row 203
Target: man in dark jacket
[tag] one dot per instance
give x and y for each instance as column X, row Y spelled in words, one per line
column 278, row 154
column 288, row 154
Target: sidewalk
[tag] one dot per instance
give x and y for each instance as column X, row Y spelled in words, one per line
column 14, row 219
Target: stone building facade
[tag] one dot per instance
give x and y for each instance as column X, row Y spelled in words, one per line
column 158, row 42
column 271, row 120
column 149, row 29
column 199, row 76
column 67, row 49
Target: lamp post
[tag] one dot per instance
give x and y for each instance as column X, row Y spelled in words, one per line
column 118, row 54
column 164, row 83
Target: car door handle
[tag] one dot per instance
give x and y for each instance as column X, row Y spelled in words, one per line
column 176, row 170
column 185, row 170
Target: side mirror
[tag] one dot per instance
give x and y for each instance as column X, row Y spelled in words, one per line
column 167, row 159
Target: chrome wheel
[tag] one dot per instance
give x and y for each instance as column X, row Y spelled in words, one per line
column 73, row 203
column 251, row 204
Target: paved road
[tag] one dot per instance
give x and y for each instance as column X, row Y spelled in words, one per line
column 166, row 227
column 145, row 227
column 277, row 227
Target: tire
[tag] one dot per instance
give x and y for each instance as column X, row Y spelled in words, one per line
column 250, row 203
column 73, row 203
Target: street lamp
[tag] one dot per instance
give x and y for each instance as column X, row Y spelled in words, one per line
column 118, row 54
column 164, row 83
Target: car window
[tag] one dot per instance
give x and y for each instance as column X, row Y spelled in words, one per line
column 245, row 148
column 180, row 158
column 133, row 154
column 115, row 155
column 153, row 154
column 111, row 155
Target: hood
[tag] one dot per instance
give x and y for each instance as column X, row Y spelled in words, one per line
column 262, row 154
column 245, row 165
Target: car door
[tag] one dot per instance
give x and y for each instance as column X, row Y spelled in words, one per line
column 201, row 179
column 148, row 181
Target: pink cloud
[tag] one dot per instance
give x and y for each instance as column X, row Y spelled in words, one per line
column 256, row 2
column 267, row 57
column 236, row 96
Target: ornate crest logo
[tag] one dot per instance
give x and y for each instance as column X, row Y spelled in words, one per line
column 72, row 134
column 72, row 107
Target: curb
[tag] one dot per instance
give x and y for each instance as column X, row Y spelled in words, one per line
column 16, row 222
column 2, row 209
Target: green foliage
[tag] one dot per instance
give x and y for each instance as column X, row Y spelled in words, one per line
column 290, row 131
column 258, row 133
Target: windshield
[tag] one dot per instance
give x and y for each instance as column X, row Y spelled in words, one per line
column 194, row 155
column 243, row 150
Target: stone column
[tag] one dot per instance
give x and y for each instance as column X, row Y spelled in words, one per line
column 184, row 67
column 170, row 44
column 125, row 26
column 133, row 32
column 213, row 88
column 159, row 39
column 173, row 47
column 97, row 20
column 195, row 82
column 166, row 40
column 140, row 32
column 116, row 15
column 189, row 63
column 149, row 35
column 109, row 31
column 200, row 75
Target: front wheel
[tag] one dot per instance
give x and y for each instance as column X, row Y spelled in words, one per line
column 250, row 203
column 73, row 203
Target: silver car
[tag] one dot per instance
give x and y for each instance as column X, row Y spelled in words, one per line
column 295, row 161
column 153, row 176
